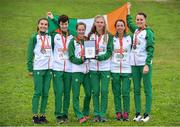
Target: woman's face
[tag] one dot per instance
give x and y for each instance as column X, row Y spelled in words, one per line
column 140, row 21
column 43, row 25
column 81, row 31
column 100, row 24
column 64, row 26
column 120, row 27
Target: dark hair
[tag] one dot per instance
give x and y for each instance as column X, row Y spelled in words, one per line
column 63, row 18
column 142, row 13
column 120, row 20
column 40, row 21
column 80, row 23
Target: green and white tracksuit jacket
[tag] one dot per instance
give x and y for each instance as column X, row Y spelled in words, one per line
column 78, row 65
column 37, row 59
column 102, row 63
column 120, row 61
column 143, row 53
column 61, row 57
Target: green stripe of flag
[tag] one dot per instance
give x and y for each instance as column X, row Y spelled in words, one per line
column 72, row 26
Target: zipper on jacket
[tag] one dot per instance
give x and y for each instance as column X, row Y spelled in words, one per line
column 134, row 60
column 97, row 66
column 64, row 65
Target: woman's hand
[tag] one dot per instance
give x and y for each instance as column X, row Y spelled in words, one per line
column 129, row 8
column 30, row 74
column 145, row 69
column 50, row 15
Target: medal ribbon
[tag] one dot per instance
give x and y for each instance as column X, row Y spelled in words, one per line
column 97, row 42
column 43, row 41
column 82, row 49
column 136, row 34
column 64, row 41
column 62, row 37
column 121, row 45
column 121, row 52
column 64, row 46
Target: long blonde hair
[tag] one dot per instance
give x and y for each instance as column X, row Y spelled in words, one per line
column 94, row 31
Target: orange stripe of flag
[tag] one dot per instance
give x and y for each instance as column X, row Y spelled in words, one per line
column 119, row 13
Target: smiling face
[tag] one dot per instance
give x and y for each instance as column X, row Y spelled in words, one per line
column 64, row 26
column 120, row 27
column 140, row 21
column 43, row 25
column 100, row 24
column 81, row 31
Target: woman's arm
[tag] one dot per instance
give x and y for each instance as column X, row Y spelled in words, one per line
column 108, row 53
column 30, row 53
column 130, row 23
column 72, row 57
column 149, row 46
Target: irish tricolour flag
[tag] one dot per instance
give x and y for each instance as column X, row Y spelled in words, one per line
column 119, row 13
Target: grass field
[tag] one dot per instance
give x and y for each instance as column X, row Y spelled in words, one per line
column 18, row 21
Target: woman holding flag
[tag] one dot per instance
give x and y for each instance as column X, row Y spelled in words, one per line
column 121, row 70
column 62, row 68
column 80, row 72
column 141, row 61
column 39, row 63
column 100, row 67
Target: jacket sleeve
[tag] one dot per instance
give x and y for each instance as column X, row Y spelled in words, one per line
column 53, row 24
column 130, row 24
column 72, row 57
column 54, row 20
column 149, row 47
column 30, row 53
column 108, row 53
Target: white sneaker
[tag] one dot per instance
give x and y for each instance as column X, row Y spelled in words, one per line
column 137, row 118
column 145, row 118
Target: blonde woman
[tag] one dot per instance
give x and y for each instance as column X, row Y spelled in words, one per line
column 100, row 67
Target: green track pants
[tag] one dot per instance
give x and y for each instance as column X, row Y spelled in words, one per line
column 62, row 88
column 137, row 72
column 78, row 79
column 100, row 83
column 121, row 86
column 42, row 81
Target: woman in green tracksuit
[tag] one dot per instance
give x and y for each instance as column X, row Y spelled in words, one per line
column 39, row 63
column 121, row 70
column 141, row 61
column 62, row 68
column 80, row 72
column 100, row 67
